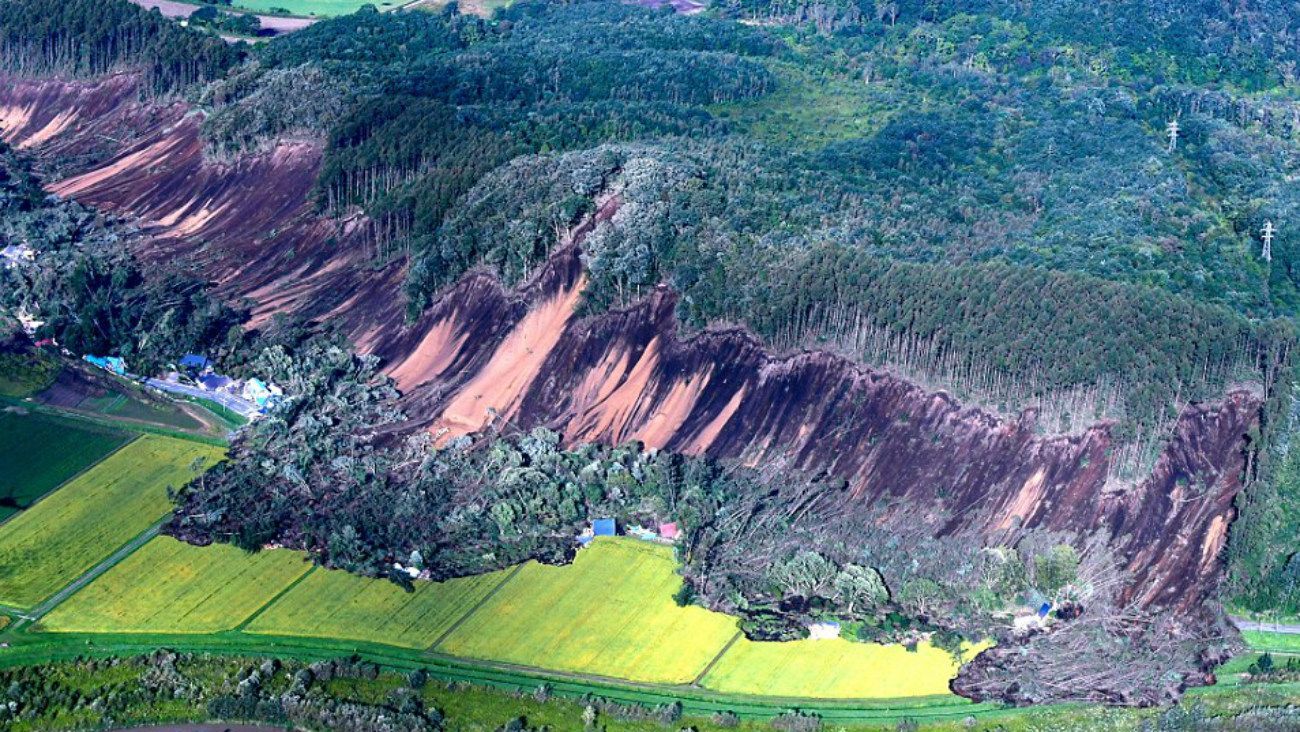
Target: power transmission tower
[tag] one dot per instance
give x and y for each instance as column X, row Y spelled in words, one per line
column 1268, row 232
column 1172, row 128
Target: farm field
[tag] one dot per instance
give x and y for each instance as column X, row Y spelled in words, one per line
column 611, row 613
column 832, row 669
column 318, row 8
column 336, row 604
column 173, row 587
column 1265, row 640
column 38, row 452
column 60, row 538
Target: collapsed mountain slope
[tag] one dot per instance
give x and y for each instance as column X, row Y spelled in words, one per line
column 483, row 353
column 585, row 333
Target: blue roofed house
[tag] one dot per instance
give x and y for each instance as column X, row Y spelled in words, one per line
column 604, row 527
column 1044, row 609
column 194, row 362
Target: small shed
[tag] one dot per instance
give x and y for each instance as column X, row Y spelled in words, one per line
column 669, row 531
column 115, row 364
column 1044, row 609
column 603, row 527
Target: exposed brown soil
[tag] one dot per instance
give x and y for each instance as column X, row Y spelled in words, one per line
column 484, row 353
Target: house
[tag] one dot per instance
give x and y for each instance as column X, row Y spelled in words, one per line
column 113, row 364
column 215, row 382
column 261, row 393
column 585, row 537
column 824, row 630
column 643, row 533
column 194, row 362
column 669, row 531
column 604, row 527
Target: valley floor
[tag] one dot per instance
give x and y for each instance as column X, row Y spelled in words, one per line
column 606, row 625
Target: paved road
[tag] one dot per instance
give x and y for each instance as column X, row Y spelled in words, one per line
column 243, row 407
column 174, row 9
column 1247, row 624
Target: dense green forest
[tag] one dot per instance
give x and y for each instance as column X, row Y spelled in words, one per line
column 84, row 39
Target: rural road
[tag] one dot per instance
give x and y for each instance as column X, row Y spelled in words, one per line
column 174, row 9
column 243, row 407
column 1246, row 624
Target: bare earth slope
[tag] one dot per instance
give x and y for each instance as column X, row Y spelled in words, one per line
column 483, row 353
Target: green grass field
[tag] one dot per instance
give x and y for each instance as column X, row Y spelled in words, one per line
column 336, row 604
column 611, row 613
column 1270, row 641
column 319, row 8
column 38, row 452
column 832, row 669
column 169, row 586
column 60, row 538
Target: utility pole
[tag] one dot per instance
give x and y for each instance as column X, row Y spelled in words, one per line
column 1268, row 232
column 1172, row 129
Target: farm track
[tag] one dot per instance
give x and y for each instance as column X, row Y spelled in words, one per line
column 112, row 560
column 475, row 608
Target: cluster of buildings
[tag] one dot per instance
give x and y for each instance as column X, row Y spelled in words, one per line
column 663, row 533
column 260, row 395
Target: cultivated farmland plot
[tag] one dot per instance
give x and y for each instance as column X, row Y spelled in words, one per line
column 169, row 586
column 38, row 452
column 831, row 669
column 48, row 546
column 611, row 614
column 336, row 604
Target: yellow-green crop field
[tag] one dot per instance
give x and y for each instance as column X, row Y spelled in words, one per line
column 172, row 587
column 65, row 534
column 611, row 613
column 337, row 604
column 832, row 668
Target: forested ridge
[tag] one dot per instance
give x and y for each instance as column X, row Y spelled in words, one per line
column 1061, row 206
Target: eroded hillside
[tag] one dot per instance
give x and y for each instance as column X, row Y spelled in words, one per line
column 485, row 353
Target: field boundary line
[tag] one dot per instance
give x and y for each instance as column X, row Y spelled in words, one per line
column 283, row 591
column 477, row 606
column 717, row 657
column 131, row 438
column 47, row 605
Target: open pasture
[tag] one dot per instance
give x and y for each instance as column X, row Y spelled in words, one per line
column 57, row 540
column 611, row 614
column 169, row 586
column 314, row 8
column 38, row 452
column 831, row 669
column 336, row 604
